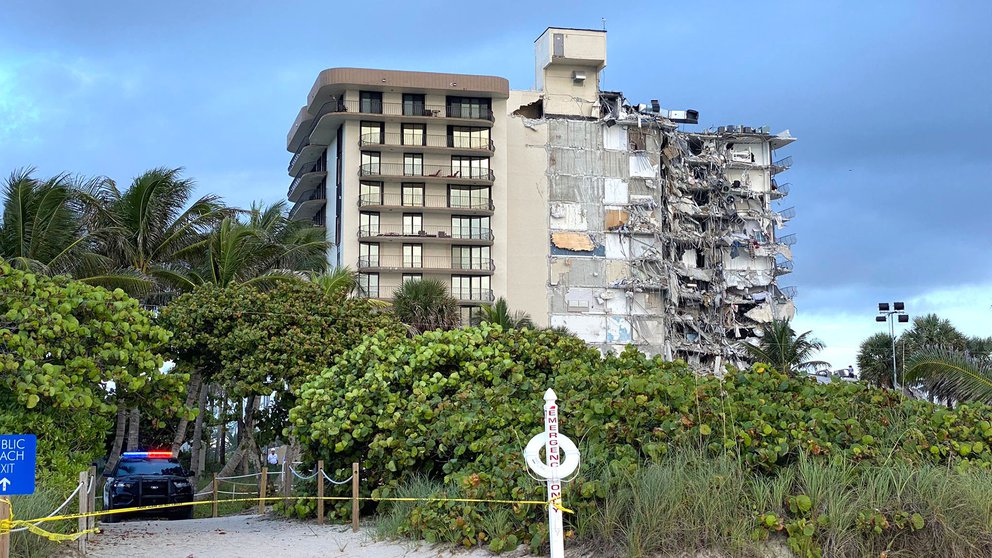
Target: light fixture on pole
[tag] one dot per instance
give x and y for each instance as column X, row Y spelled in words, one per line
column 892, row 313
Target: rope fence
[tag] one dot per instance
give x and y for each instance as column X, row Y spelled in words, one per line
column 87, row 514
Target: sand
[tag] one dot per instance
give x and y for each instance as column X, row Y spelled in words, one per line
column 254, row 536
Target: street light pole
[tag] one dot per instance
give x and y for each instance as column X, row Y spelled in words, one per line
column 897, row 312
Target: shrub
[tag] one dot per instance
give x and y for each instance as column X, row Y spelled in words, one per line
column 458, row 406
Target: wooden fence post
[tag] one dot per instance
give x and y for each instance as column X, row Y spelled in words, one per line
column 91, row 523
column 263, row 482
column 214, row 505
column 4, row 538
column 84, row 500
column 354, row 497
column 320, row 492
column 287, row 483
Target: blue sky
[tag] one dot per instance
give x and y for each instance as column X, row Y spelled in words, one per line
column 891, row 102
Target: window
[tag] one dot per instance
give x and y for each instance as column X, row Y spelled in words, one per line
column 471, row 257
column 468, row 197
column 470, row 167
column 469, row 107
column 413, row 105
column 414, row 134
column 413, row 255
column 370, row 193
column 471, row 315
column 369, row 284
column 475, row 228
column 413, row 223
column 370, row 163
column 474, row 288
column 468, row 138
column 370, row 101
column 413, row 164
column 368, row 255
column 413, row 277
column 413, row 195
column 369, row 224
column 373, row 133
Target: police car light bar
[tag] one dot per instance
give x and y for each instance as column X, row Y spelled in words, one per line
column 147, row 454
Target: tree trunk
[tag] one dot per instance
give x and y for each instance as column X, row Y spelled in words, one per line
column 115, row 451
column 194, row 389
column 222, row 441
column 197, row 446
column 133, row 429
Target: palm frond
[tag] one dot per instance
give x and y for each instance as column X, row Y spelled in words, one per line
column 951, row 374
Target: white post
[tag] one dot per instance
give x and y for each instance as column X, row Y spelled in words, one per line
column 554, row 443
column 556, row 531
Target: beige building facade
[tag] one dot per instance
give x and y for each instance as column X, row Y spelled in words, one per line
column 585, row 210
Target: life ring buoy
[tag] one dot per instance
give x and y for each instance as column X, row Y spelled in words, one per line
column 570, row 457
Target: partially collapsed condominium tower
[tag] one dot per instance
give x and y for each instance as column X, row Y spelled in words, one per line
column 582, row 208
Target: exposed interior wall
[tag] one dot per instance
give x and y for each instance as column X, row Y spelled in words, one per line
column 525, row 206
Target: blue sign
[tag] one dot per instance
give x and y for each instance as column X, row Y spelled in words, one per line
column 17, row 463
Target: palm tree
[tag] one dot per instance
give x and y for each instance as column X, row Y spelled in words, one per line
column 932, row 331
column 500, row 314
column 340, row 281
column 980, row 348
column 425, row 305
column 263, row 247
column 150, row 231
column 951, row 375
column 46, row 224
column 782, row 349
column 875, row 360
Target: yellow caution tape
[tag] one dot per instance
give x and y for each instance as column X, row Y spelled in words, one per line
column 7, row 525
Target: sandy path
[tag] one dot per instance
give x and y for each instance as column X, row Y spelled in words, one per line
column 253, row 536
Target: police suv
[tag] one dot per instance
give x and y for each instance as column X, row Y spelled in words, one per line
column 148, row 478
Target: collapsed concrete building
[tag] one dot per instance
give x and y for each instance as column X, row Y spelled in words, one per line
column 602, row 215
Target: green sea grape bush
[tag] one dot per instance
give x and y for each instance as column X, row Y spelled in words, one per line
column 69, row 354
column 458, row 406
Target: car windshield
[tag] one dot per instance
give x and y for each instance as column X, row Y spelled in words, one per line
column 127, row 468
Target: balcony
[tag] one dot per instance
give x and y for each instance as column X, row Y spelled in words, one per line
column 307, row 155
column 428, row 173
column 483, row 296
column 305, row 210
column 787, row 240
column 398, row 263
column 320, row 129
column 783, row 266
column 440, row 203
column 781, row 165
column 428, row 233
column 305, row 184
column 779, row 190
column 788, row 214
column 400, row 142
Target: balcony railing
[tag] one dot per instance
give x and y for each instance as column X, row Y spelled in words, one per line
column 425, row 171
column 782, row 165
column 479, row 295
column 386, row 291
column 430, row 201
column 403, row 262
column 789, row 292
column 787, row 240
column 780, row 189
column 404, row 109
column 784, row 266
column 428, row 140
column 455, row 233
column 787, row 214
